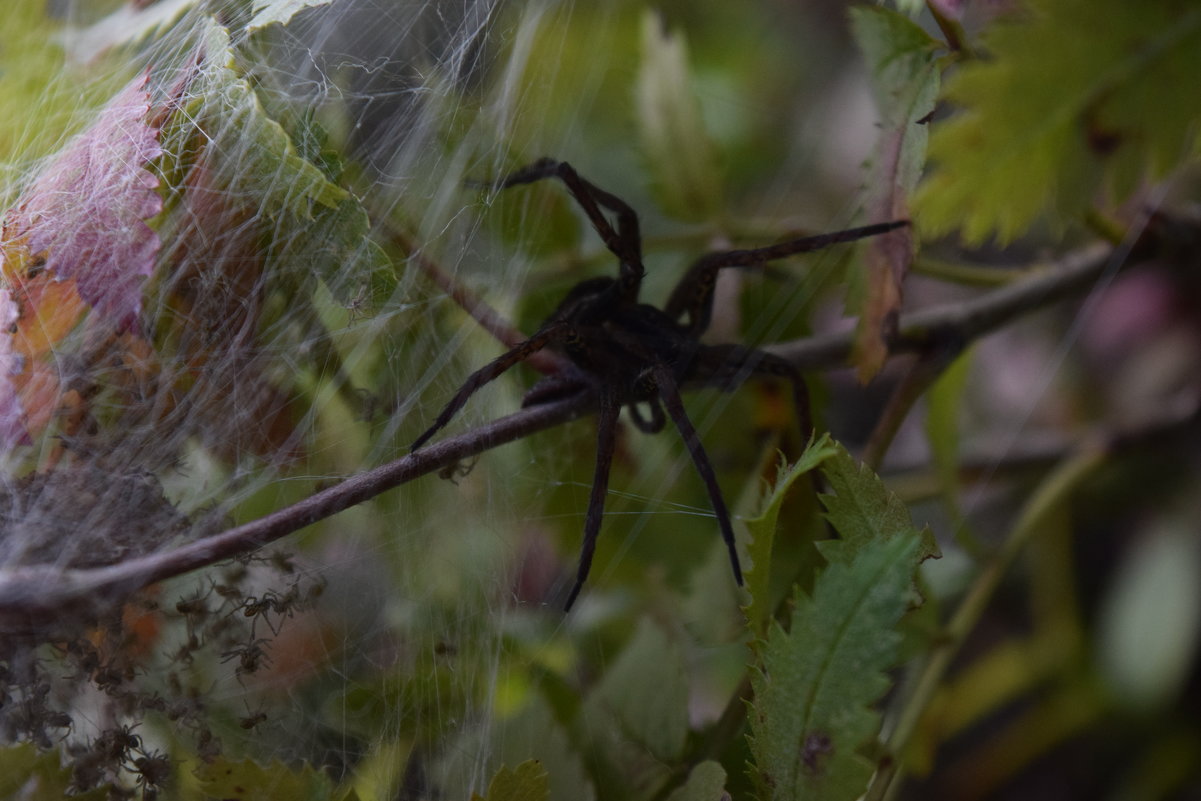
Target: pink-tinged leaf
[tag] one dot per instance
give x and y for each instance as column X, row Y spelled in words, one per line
column 904, row 76
column 86, row 211
column 12, row 427
column 887, row 258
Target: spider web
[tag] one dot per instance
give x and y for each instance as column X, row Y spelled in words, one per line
column 292, row 328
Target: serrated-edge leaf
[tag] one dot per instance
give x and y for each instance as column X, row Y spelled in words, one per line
column 269, row 12
column 762, row 528
column 864, row 511
column 338, row 247
column 811, row 713
column 678, row 152
column 254, row 151
column 1025, row 147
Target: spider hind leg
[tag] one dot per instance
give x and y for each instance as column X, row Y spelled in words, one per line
column 606, row 443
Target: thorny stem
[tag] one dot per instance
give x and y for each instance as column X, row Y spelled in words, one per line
column 32, row 597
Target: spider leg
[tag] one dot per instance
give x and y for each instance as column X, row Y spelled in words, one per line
column 693, row 296
column 606, row 442
column 569, row 381
column 670, row 393
column 625, row 241
column 727, row 366
column 490, row 371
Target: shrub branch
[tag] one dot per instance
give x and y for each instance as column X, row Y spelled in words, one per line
column 34, row 597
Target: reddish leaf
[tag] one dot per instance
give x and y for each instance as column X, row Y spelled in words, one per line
column 12, row 428
column 904, row 75
column 86, row 210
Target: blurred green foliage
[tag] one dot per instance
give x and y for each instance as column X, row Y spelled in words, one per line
column 438, row 662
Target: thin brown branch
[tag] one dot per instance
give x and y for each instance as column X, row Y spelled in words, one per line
column 964, row 322
column 35, row 597
column 546, row 362
column 920, row 376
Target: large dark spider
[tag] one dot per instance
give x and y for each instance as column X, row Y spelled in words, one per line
column 632, row 354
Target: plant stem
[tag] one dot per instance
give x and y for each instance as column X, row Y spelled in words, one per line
column 966, row 321
column 31, row 597
column 1058, row 486
column 37, row 596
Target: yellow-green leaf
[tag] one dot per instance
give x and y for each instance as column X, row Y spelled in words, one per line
column 528, row 782
column 27, row 773
column 250, row 781
column 679, row 155
column 762, row 528
column 1076, row 102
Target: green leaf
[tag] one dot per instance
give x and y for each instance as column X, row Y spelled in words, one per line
column 250, row 781
column 540, row 219
column 706, row 782
column 678, row 153
column 812, row 713
column 251, row 155
column 528, row 782
column 646, row 692
column 1077, row 96
column 905, row 78
column 1151, row 615
column 26, row 773
column 864, row 512
column 268, row 12
column 338, row 247
column 763, row 531
column 43, row 99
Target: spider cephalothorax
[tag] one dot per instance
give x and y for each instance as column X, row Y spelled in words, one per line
column 635, row 355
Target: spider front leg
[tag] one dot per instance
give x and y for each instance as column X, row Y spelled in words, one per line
column 693, row 296
column 669, row 391
column 625, row 241
column 491, row 371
